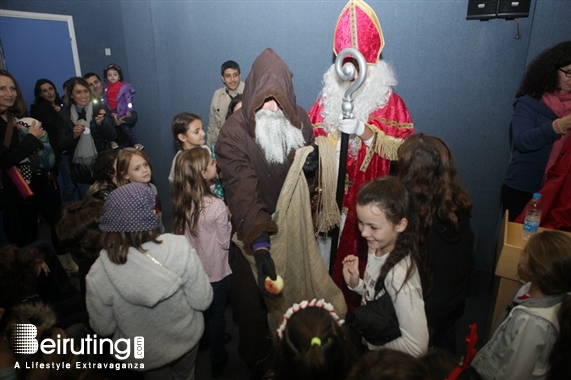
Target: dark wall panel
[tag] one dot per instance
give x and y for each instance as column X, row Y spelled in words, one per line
column 457, row 76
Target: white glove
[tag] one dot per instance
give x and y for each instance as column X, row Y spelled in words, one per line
column 369, row 141
column 352, row 126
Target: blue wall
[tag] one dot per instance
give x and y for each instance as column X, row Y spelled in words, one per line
column 457, row 77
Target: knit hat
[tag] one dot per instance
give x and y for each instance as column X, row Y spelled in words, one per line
column 129, row 208
column 358, row 27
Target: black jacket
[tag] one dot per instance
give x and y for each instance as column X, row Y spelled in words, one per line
column 52, row 123
column 102, row 134
column 451, row 261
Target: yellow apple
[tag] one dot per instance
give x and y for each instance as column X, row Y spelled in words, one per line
column 274, row 287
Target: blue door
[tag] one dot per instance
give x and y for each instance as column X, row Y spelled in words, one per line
column 38, row 46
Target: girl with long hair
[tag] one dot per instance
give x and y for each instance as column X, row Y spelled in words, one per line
column 446, row 240
column 387, row 222
column 188, row 134
column 203, row 218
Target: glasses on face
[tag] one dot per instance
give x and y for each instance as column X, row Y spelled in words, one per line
column 567, row 73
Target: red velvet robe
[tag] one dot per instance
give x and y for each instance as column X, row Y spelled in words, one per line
column 555, row 194
column 393, row 123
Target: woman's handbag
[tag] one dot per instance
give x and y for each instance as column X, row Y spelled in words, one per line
column 15, row 176
column 376, row 321
column 19, row 182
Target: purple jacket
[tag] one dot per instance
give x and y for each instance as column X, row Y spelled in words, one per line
column 124, row 99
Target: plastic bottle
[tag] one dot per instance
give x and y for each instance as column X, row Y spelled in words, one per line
column 532, row 217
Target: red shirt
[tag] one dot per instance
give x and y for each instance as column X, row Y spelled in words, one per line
column 112, row 92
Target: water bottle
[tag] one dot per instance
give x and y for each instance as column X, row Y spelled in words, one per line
column 532, row 217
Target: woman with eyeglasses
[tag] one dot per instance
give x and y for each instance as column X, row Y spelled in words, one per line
column 539, row 126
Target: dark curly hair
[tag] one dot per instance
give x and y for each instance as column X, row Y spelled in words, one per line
column 17, row 273
column 541, row 75
column 103, row 167
column 427, row 170
column 78, row 227
column 441, row 363
column 391, row 364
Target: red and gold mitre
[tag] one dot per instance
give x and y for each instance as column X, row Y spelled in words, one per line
column 359, row 28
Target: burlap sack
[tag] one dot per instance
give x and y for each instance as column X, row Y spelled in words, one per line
column 295, row 251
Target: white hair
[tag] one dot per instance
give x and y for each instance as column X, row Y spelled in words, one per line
column 276, row 135
column 373, row 94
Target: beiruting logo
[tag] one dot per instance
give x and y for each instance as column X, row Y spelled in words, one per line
column 24, row 342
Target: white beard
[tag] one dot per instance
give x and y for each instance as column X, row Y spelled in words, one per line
column 373, row 94
column 276, row 135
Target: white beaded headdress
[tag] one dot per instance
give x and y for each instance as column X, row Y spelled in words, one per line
column 304, row 304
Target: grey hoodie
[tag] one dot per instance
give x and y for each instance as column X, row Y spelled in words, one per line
column 162, row 303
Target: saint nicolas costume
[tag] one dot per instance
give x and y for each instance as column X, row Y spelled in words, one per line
column 388, row 118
